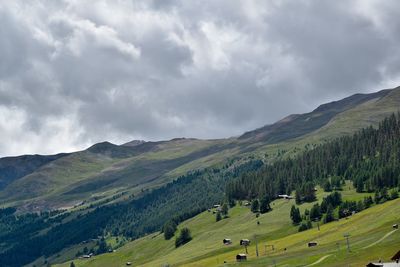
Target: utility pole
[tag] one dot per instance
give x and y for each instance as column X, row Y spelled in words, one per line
column 347, row 235
column 255, row 237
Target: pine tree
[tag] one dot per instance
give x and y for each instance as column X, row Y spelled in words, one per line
column 183, row 238
column 295, row 215
column 298, row 197
column 265, row 204
column 329, row 215
column 315, row 212
column 169, row 229
column 327, row 186
column 255, row 205
column 224, row 210
column 218, row 216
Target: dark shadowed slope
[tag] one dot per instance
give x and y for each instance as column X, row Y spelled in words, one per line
column 12, row 168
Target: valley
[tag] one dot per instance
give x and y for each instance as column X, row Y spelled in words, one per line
column 368, row 241
column 118, row 197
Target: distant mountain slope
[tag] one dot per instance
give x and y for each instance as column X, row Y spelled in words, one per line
column 298, row 125
column 107, row 171
column 12, row 168
column 104, row 170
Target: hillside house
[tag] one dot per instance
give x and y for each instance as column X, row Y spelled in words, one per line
column 396, row 256
column 395, row 263
column 244, row 242
column 312, row 244
column 285, row 196
column 241, row 257
column 383, row 264
column 227, row 241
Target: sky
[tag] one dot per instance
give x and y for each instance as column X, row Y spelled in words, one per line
column 77, row 72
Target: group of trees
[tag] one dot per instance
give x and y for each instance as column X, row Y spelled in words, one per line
column 305, row 193
column 48, row 233
column 262, row 205
column 370, row 158
column 183, row 238
column 222, row 212
column 333, row 207
column 334, row 183
column 169, row 229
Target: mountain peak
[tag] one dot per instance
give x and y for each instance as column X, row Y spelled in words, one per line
column 134, row 143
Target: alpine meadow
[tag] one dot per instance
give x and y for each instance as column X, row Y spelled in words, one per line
column 215, row 133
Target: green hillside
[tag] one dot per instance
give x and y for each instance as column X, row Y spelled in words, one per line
column 106, row 171
column 131, row 190
column 372, row 238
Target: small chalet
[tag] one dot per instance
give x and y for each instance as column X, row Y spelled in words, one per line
column 312, row 244
column 244, row 242
column 241, row 257
column 383, row 264
column 395, row 226
column 396, row 257
column 395, row 262
column 227, row 241
column 285, row 196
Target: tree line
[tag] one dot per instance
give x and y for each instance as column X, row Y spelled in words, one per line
column 370, row 158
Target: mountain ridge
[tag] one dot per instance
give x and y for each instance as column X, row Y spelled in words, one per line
column 105, row 170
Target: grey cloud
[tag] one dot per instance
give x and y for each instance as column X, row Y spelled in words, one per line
column 83, row 72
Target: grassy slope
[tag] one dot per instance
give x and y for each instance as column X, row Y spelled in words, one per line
column 206, row 248
column 345, row 123
column 88, row 176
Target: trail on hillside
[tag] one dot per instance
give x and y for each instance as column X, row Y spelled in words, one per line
column 381, row 239
column 318, row 261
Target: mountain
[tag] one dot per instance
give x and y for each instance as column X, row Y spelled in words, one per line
column 13, row 168
column 106, row 171
column 297, row 125
column 347, row 187
column 109, row 191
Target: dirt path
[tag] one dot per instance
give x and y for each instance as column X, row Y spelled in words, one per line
column 380, row 240
column 319, row 261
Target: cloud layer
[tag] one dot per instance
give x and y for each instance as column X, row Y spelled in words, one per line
column 77, row 72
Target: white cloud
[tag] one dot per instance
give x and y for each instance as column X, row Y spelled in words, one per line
column 76, row 72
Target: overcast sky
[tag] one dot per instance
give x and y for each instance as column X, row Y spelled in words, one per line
column 77, row 72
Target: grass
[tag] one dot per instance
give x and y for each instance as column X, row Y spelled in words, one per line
column 275, row 228
column 92, row 176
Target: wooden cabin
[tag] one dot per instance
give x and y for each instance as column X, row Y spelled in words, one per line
column 244, row 242
column 227, row 241
column 312, row 244
column 241, row 257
